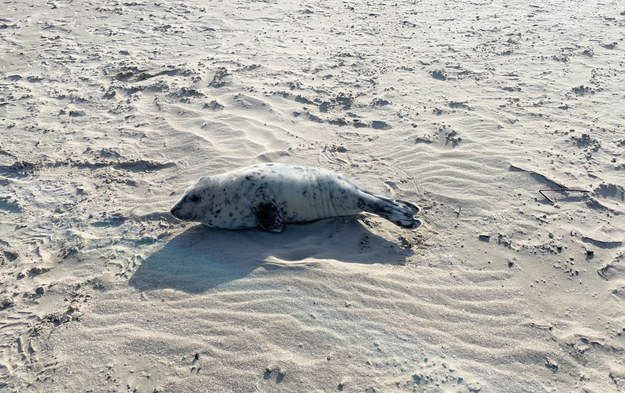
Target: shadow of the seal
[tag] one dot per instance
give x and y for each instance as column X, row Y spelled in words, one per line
column 202, row 258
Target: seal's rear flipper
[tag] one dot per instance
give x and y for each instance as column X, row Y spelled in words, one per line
column 398, row 212
column 269, row 216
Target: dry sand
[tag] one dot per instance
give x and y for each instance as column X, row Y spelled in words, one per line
column 110, row 109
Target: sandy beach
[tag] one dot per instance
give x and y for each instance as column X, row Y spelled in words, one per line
column 503, row 121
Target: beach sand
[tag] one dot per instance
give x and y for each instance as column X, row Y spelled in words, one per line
column 110, row 109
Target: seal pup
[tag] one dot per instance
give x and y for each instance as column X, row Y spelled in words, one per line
column 271, row 195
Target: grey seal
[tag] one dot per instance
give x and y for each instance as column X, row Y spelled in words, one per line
column 271, row 195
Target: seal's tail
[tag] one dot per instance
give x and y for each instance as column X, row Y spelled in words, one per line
column 398, row 212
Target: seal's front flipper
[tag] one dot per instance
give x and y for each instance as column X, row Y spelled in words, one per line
column 269, row 216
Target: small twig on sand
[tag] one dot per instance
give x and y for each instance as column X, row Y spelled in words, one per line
column 563, row 189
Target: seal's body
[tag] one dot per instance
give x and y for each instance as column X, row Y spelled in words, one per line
column 271, row 195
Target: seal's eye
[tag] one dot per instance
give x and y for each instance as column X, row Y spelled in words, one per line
column 195, row 198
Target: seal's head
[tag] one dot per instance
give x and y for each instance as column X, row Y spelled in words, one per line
column 194, row 202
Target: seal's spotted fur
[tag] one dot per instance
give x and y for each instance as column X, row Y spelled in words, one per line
column 271, row 195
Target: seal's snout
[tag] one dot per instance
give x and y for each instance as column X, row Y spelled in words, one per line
column 180, row 212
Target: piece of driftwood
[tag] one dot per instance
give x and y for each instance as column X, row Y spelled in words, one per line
column 564, row 189
column 559, row 187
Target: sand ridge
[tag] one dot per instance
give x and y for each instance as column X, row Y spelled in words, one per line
column 109, row 110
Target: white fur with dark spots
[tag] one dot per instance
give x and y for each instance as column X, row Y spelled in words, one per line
column 286, row 193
